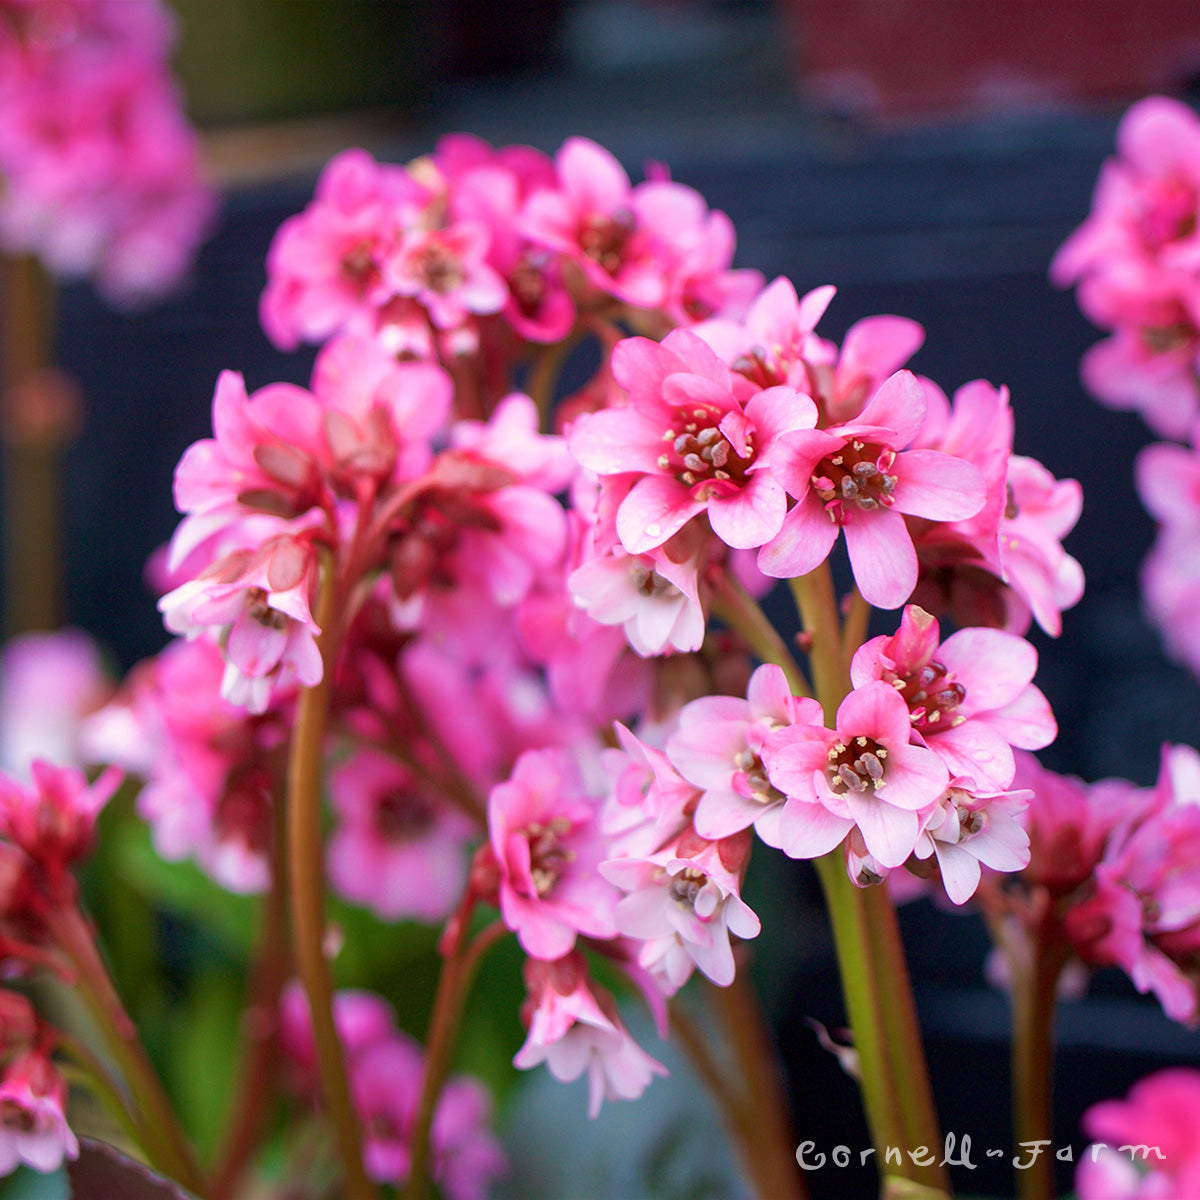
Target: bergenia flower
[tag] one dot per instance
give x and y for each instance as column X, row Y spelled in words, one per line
column 863, row 773
column 543, row 835
column 682, row 903
column 718, row 748
column 970, row 698
column 33, row 1122
column 698, row 436
column 859, row 477
column 574, row 1028
column 1150, row 1141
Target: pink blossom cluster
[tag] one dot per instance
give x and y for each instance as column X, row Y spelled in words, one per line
column 1144, row 1146
column 1136, row 264
column 385, row 1068
column 100, row 171
column 761, row 436
column 1112, row 877
column 528, row 705
column 480, row 251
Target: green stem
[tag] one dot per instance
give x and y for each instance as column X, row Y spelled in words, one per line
column 817, row 605
column 733, row 605
column 306, row 889
column 1034, row 999
column 162, row 1136
column 894, row 1076
column 458, row 971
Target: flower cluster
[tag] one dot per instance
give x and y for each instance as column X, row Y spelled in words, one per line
column 385, row 1067
column 99, row 167
column 1136, row 261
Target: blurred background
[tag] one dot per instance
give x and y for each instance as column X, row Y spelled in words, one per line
column 925, row 156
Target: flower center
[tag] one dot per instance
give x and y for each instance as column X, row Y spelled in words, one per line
column 358, row 265
column 856, row 767
column 439, row 268
column 402, row 817
column 702, row 456
column 860, row 474
column 931, row 697
column 258, row 607
column 603, row 238
column 687, row 885
column 751, row 779
column 547, row 855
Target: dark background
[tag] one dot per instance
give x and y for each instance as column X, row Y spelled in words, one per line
column 931, row 178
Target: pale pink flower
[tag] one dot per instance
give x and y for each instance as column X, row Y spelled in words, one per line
column 969, row 829
column 1150, row 1141
column 648, row 804
column 445, row 271
column 970, row 698
column 543, row 835
column 718, row 748
column 698, row 436
column 260, row 603
column 208, row 789
column 49, row 684
column 33, row 1124
column 1042, row 510
column 397, row 848
column 682, row 903
column 574, row 1028
column 863, row 773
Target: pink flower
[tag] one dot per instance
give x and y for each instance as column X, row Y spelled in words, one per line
column 719, row 746
column 49, row 683
column 325, row 268
column 1150, row 1141
column 33, row 1125
column 859, row 477
column 970, row 698
column 864, row 773
column 698, row 436
column 445, row 271
column 546, row 846
column 53, row 819
column 261, row 603
column 682, row 903
column 397, row 848
column 574, row 1028
column 969, row 829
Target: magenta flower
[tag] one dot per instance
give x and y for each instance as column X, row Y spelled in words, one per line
column 1158, row 1124
column 859, row 477
column 970, row 698
column 574, row 1028
column 325, row 268
column 396, row 848
column 698, row 436
column 53, row 818
column 446, row 272
column 863, row 773
column 543, row 835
